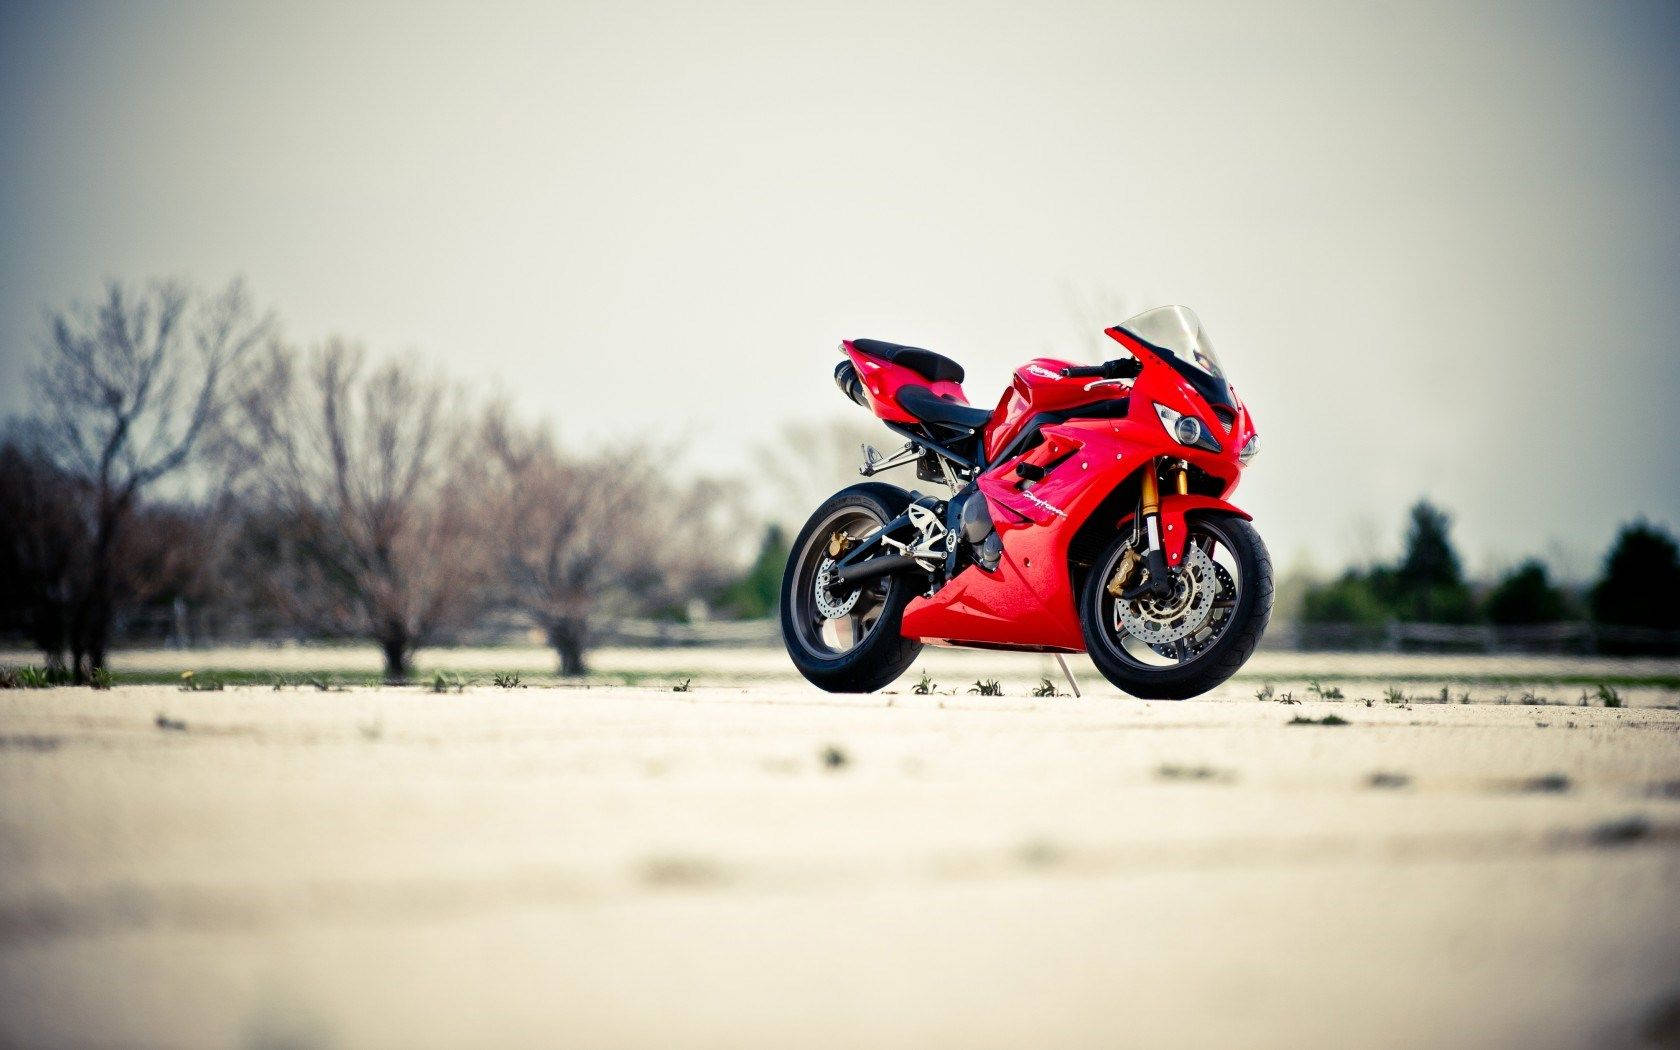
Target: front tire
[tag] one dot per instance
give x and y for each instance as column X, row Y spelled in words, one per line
column 862, row 650
column 1190, row 666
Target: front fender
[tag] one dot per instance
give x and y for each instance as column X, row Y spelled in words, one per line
column 1175, row 508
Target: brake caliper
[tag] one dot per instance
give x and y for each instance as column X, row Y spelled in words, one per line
column 1124, row 573
column 840, row 543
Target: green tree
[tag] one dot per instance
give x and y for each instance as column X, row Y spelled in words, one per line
column 1526, row 595
column 1641, row 584
column 755, row 595
column 1428, row 584
column 1347, row 600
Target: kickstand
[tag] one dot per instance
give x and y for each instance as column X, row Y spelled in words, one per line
column 1071, row 680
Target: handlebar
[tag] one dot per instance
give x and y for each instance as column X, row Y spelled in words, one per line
column 1119, row 368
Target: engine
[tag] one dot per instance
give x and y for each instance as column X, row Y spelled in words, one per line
column 980, row 536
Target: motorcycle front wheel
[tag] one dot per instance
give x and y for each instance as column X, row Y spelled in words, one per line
column 1185, row 645
column 846, row 642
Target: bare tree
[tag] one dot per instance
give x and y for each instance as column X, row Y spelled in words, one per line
column 367, row 473
column 132, row 387
column 585, row 538
column 809, row 462
column 45, row 541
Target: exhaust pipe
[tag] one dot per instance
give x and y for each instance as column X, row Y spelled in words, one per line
column 846, row 378
column 864, row 571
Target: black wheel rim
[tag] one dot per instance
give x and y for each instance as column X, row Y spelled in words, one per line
column 820, row 636
column 1146, row 656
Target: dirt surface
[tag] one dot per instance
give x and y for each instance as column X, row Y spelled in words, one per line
column 765, row 865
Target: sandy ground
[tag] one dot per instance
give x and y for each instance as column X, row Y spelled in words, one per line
column 765, row 865
column 771, row 664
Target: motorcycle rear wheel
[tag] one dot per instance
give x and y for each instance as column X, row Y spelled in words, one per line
column 1189, row 666
column 862, row 650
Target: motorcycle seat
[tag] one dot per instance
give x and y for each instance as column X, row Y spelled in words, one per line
column 925, row 363
column 929, row 407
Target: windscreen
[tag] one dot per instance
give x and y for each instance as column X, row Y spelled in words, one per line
column 1177, row 330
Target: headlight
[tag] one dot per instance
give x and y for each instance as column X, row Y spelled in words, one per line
column 1250, row 449
column 1186, row 430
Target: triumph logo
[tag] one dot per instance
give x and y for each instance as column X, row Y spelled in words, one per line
column 1040, row 370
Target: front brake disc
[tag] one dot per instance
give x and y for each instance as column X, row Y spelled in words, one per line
column 1160, row 621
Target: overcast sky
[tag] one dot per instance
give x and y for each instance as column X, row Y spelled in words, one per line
column 1438, row 247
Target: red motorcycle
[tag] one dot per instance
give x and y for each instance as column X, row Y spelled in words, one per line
column 1087, row 513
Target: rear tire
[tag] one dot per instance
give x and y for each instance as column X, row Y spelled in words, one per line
column 883, row 653
column 1207, row 669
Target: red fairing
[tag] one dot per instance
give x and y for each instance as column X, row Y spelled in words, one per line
column 1029, row 602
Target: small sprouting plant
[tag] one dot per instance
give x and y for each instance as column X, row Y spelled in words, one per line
column 100, row 679
column 1265, row 693
column 925, row 686
column 1392, row 695
column 26, row 678
column 1287, row 698
column 986, row 687
column 1531, row 699
column 682, row 686
column 326, row 684
column 1045, row 689
column 1332, row 693
column 1327, row 720
column 1171, row 772
column 1608, row 693
column 447, row 683
column 1464, row 697
column 191, row 683
column 505, row 679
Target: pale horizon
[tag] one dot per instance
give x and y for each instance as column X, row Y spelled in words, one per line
column 1437, row 247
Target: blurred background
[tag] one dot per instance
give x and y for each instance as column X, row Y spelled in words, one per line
column 430, row 324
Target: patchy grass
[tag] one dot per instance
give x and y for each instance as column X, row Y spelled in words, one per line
column 1332, row 693
column 1045, row 689
column 675, row 871
column 25, row 678
column 1265, row 693
column 448, row 683
column 1656, row 681
column 683, row 686
column 1039, row 853
column 1620, row 832
column 1547, row 783
column 1609, row 695
column 1327, row 720
column 1202, row 773
column 925, row 686
column 505, row 679
column 986, row 687
column 191, row 682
